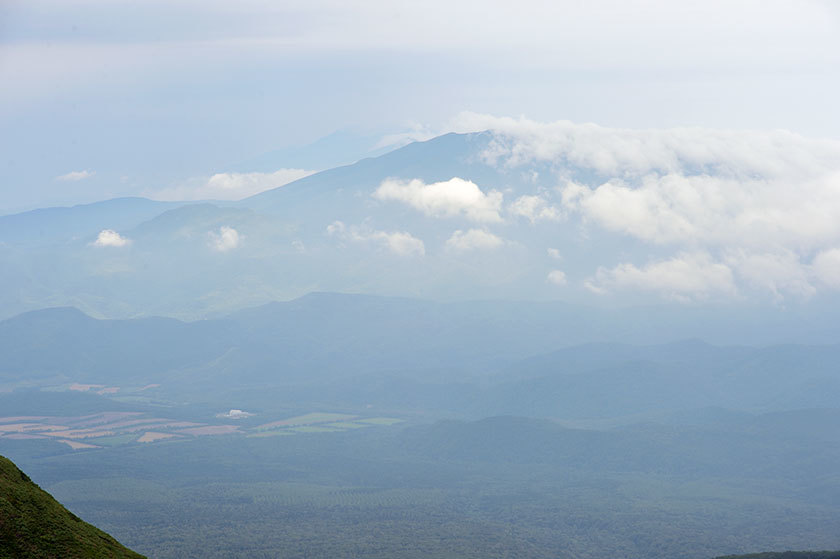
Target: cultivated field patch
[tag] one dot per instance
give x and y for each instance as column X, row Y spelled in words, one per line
column 151, row 436
column 112, row 429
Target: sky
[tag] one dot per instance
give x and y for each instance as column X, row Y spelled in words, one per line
column 105, row 98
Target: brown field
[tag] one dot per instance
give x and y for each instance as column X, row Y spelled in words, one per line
column 79, row 434
column 19, row 418
column 117, row 428
column 18, row 427
column 84, row 387
column 152, row 436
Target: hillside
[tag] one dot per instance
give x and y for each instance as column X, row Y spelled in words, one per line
column 34, row 525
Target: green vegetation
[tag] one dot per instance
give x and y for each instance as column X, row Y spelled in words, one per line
column 381, row 420
column 346, row 425
column 306, row 419
column 314, row 429
column 34, row 525
column 501, row 487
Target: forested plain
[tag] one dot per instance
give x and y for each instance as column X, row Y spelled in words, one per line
column 502, row 487
column 393, row 435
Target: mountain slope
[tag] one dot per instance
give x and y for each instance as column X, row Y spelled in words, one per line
column 34, row 525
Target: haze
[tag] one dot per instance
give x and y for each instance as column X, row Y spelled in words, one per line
column 439, row 279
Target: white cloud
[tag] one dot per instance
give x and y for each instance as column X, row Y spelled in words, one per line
column 230, row 186
column 400, row 242
column 110, row 238
column 74, row 176
column 826, row 267
column 765, row 201
column 684, row 277
column 624, row 152
column 554, row 253
column 455, row 197
column 397, row 242
column 557, row 277
column 226, row 239
column 717, row 211
column 534, row 208
column 474, row 239
column 336, row 228
column 780, row 273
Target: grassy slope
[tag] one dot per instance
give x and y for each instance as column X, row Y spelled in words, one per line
column 34, row 525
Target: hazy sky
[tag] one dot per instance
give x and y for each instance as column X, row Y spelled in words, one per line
column 101, row 98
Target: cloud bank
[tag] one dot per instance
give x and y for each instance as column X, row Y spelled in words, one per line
column 761, row 207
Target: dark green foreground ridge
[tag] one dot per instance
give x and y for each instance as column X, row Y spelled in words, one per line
column 34, row 525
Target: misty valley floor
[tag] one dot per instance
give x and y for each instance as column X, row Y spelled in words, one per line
column 398, row 428
column 502, row 487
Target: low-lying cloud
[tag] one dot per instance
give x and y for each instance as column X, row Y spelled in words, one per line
column 473, row 239
column 74, row 176
column 225, row 239
column 110, row 238
column 557, row 277
column 452, row 198
column 400, row 243
column 687, row 276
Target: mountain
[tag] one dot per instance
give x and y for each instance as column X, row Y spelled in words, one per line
column 62, row 225
column 473, row 359
column 459, row 217
column 33, row 525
